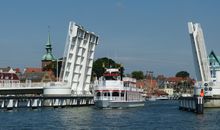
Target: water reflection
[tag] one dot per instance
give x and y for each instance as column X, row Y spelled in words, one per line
column 155, row 115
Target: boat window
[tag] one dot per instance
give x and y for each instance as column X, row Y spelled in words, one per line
column 106, row 94
column 111, row 77
column 115, row 94
column 126, row 84
column 98, row 94
column 122, row 94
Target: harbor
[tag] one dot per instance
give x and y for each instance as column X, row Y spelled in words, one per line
column 109, row 65
column 75, row 85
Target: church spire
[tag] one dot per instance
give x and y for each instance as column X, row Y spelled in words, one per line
column 48, row 40
column 48, row 56
column 48, row 45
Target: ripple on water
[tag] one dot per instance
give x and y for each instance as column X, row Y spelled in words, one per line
column 155, row 115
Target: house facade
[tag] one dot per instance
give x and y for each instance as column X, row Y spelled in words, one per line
column 214, row 65
column 9, row 79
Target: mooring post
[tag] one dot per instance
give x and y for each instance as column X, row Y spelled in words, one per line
column 199, row 105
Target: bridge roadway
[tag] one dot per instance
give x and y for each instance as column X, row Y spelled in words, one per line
column 32, row 95
column 21, row 90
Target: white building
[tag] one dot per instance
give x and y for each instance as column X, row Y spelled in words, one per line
column 214, row 65
column 169, row 91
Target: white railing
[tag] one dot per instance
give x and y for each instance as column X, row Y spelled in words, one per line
column 134, row 89
column 110, row 83
column 11, row 84
column 81, row 93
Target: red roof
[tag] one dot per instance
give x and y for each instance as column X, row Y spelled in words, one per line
column 148, row 82
column 152, row 82
column 160, row 92
column 17, row 70
column 140, row 84
column 29, row 70
column 8, row 76
column 175, row 79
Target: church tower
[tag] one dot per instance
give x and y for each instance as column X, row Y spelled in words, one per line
column 48, row 58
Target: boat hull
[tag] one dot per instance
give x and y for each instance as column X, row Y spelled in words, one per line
column 114, row 104
column 212, row 102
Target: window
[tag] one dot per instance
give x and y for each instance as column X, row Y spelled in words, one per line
column 106, row 94
column 122, row 94
column 116, row 94
column 98, row 94
column 126, row 84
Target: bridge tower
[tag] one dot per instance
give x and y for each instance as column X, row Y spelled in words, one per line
column 78, row 58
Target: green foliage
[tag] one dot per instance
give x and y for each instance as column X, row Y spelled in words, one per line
column 100, row 64
column 182, row 74
column 137, row 75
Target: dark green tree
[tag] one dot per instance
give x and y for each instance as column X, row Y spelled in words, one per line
column 137, row 75
column 100, row 64
column 183, row 74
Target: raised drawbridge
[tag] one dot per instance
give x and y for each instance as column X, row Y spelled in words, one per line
column 201, row 63
column 78, row 59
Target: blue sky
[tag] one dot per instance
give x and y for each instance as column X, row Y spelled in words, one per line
column 142, row 35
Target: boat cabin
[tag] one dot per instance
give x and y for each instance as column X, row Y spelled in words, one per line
column 111, row 86
column 112, row 74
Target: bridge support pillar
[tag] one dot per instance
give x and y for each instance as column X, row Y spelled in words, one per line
column 10, row 104
column 194, row 104
column 35, row 103
column 199, row 105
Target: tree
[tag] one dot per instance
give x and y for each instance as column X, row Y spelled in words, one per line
column 182, row 74
column 100, row 64
column 137, row 75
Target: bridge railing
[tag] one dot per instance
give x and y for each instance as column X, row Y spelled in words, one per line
column 11, row 84
column 82, row 93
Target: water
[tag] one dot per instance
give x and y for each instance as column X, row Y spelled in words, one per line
column 154, row 116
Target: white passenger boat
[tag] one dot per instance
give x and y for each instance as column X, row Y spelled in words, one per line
column 151, row 98
column 114, row 91
column 162, row 97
